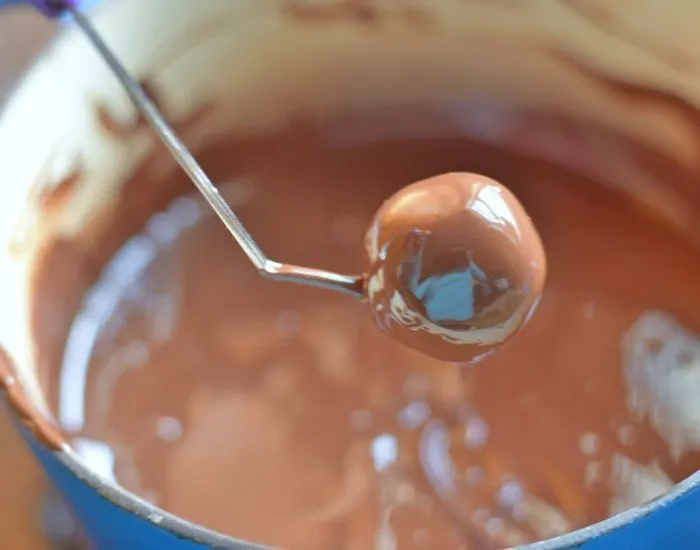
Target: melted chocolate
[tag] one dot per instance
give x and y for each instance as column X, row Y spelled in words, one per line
column 280, row 414
column 123, row 130
column 43, row 429
column 457, row 267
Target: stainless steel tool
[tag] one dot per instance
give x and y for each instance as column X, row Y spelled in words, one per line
column 271, row 269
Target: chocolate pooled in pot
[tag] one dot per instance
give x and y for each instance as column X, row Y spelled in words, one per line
column 457, row 266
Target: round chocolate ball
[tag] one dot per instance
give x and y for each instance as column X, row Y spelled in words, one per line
column 456, row 266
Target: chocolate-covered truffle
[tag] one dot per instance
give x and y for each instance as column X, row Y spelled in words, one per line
column 456, row 266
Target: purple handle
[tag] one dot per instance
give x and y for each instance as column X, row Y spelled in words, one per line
column 54, row 8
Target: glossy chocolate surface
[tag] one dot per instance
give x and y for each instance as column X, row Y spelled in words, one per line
column 280, row 414
column 457, row 267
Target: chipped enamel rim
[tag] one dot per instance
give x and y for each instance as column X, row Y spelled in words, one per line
column 186, row 82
